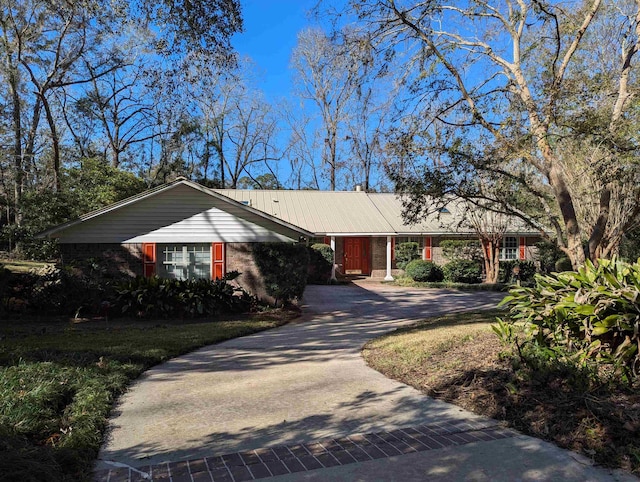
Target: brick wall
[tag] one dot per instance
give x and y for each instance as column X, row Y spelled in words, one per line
column 239, row 257
column 378, row 254
column 119, row 259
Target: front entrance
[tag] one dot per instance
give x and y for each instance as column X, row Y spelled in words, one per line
column 356, row 255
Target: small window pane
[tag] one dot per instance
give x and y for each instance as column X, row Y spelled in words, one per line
column 188, row 261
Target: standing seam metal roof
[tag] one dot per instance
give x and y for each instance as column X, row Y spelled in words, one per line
column 355, row 212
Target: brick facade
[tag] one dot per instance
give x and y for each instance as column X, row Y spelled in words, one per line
column 378, row 254
column 239, row 257
column 118, row 259
column 126, row 259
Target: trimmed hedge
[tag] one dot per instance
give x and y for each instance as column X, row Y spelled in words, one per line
column 320, row 263
column 421, row 270
column 463, row 271
column 284, row 269
column 405, row 253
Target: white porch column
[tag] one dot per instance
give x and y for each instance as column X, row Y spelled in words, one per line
column 333, row 265
column 388, row 277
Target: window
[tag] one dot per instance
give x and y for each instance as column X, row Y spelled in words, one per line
column 184, row 261
column 411, row 239
column 424, row 244
column 509, row 248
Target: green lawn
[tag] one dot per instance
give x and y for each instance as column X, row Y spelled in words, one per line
column 17, row 266
column 457, row 358
column 58, row 382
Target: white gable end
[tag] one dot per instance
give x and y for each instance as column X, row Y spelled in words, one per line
column 181, row 214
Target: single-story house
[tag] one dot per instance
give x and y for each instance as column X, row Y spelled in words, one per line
column 183, row 229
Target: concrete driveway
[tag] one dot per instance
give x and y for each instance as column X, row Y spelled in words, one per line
column 306, row 382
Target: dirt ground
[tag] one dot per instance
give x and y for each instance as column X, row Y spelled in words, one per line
column 600, row 422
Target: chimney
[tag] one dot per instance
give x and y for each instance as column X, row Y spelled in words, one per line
column 358, row 187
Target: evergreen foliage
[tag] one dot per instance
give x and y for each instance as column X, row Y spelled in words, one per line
column 462, row 271
column 421, row 270
column 405, row 253
column 284, row 268
column 587, row 317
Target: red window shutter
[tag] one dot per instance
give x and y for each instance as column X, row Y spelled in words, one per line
column 149, row 259
column 523, row 247
column 393, row 249
column 217, row 260
column 427, row 248
column 327, row 240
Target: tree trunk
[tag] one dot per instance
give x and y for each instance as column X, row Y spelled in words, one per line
column 55, row 141
column 17, row 144
column 491, row 255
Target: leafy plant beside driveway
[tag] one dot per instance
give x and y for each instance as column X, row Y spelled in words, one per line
column 589, row 317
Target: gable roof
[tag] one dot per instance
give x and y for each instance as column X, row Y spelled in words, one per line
column 308, row 213
column 356, row 213
column 238, row 209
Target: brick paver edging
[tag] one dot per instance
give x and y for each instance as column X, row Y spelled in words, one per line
column 285, row 459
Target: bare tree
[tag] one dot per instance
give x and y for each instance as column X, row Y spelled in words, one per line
column 495, row 77
column 327, row 75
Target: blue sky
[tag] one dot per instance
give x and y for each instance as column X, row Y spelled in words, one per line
column 270, row 32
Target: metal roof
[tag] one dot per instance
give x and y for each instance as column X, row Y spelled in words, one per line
column 321, row 212
column 354, row 212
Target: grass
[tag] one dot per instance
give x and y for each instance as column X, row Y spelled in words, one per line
column 401, row 353
column 18, row 266
column 58, row 382
column 409, row 283
column 457, row 358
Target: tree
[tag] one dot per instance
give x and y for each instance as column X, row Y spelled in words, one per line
column 240, row 127
column 70, row 72
column 490, row 227
column 327, row 74
column 496, row 88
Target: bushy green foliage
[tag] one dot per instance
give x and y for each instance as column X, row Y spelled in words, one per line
column 90, row 186
column 164, row 298
column 320, row 263
column 527, row 271
column 405, row 253
column 56, row 291
column 547, row 254
column 463, row 271
column 589, row 316
column 563, row 264
column 454, row 249
column 283, row 267
column 421, row 270
column 5, row 276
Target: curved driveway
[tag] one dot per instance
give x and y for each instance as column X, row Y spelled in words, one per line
column 307, row 381
column 299, row 382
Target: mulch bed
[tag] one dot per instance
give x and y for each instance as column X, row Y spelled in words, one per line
column 598, row 421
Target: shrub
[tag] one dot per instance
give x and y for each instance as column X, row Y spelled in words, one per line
column 527, row 271
column 57, row 291
column 163, row 298
column 283, row 267
column 563, row 264
column 547, row 254
column 454, row 249
column 462, row 271
column 420, row 270
column 5, row 276
column 592, row 315
column 320, row 263
column 405, row 253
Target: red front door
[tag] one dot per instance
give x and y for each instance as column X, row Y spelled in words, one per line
column 356, row 255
